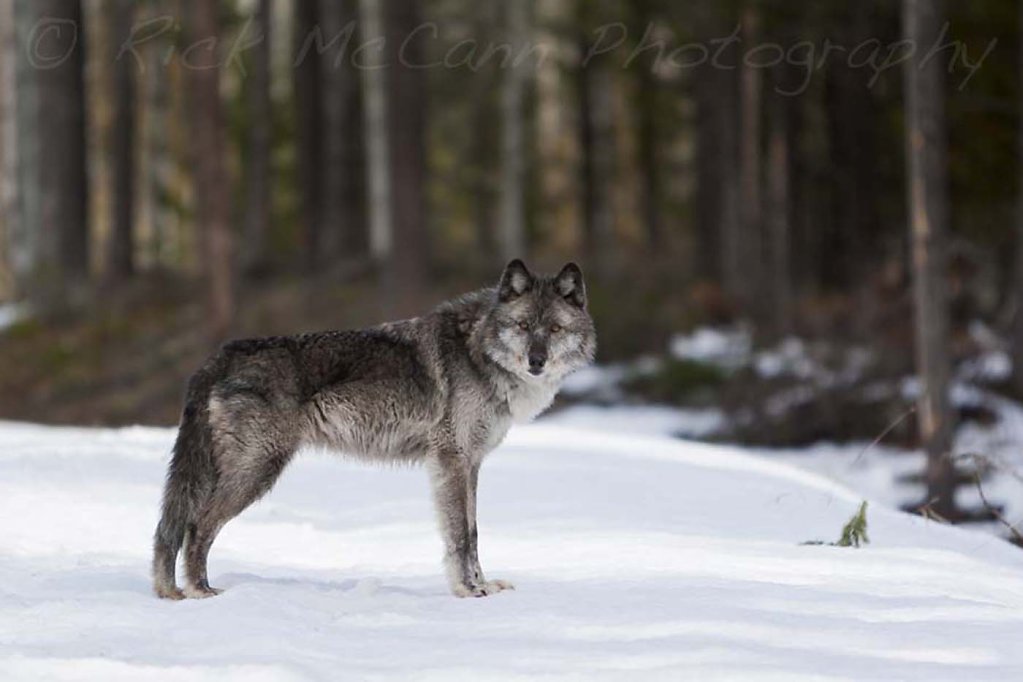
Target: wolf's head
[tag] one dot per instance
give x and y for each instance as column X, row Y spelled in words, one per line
column 538, row 328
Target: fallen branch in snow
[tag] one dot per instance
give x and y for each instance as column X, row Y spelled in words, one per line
column 1017, row 537
column 926, row 510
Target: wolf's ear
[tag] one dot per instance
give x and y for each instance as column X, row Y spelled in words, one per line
column 569, row 283
column 515, row 281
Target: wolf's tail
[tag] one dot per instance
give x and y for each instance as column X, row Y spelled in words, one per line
column 190, row 479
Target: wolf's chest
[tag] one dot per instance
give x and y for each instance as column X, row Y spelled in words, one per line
column 526, row 401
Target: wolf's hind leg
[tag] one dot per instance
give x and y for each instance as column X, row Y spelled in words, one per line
column 237, row 488
column 163, row 571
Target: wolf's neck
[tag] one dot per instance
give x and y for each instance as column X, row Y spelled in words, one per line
column 527, row 399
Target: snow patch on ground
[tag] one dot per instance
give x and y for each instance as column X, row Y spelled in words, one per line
column 635, row 557
column 11, row 314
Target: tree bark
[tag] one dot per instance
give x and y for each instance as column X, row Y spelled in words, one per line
column 308, row 100
column 155, row 179
column 51, row 131
column 1017, row 319
column 749, row 245
column 482, row 150
column 647, row 139
column 513, row 155
column 849, row 236
column 212, row 191
column 341, row 224
column 927, row 196
column 121, row 251
column 255, row 256
column 374, row 84
column 406, row 136
column 717, row 163
column 778, row 210
column 715, row 91
column 9, row 221
column 596, row 148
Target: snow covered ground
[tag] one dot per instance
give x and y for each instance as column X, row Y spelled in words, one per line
column 874, row 470
column 635, row 557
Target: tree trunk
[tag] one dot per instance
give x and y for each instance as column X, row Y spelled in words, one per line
column 375, row 122
column 597, row 151
column 850, row 235
column 927, row 195
column 648, row 164
column 749, row 245
column 717, row 171
column 308, row 101
column 406, row 136
column 706, row 260
column 513, row 161
column 155, row 179
column 255, row 256
column 1017, row 319
column 716, row 195
column 9, row 230
column 339, row 215
column 779, row 218
column 212, row 191
column 481, row 149
column 121, row 252
column 51, row 132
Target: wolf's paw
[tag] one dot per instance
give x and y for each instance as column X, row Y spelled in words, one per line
column 202, row 592
column 482, row 589
column 498, row 585
column 172, row 593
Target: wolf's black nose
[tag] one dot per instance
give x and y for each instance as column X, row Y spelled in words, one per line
column 536, row 362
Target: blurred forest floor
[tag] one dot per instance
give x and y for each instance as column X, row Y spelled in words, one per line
column 127, row 357
column 128, row 361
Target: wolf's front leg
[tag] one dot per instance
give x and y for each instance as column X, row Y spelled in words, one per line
column 474, row 556
column 450, row 475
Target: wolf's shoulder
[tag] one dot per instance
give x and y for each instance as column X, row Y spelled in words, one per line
column 461, row 313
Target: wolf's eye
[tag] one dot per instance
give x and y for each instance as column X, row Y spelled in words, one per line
column 523, row 325
column 555, row 328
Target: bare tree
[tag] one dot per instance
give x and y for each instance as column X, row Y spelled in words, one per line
column 260, row 141
column 648, row 165
column 308, row 100
column 8, row 153
column 155, row 179
column 406, row 137
column 513, row 154
column 715, row 91
column 927, row 196
column 596, row 166
column 341, row 221
column 778, row 217
column 482, row 150
column 1017, row 320
column 51, row 137
column 375, row 123
column 750, row 209
column 212, row 191
column 121, row 251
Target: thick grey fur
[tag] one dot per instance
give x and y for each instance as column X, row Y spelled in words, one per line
column 441, row 389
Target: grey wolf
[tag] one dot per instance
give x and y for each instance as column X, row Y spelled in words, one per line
column 441, row 389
